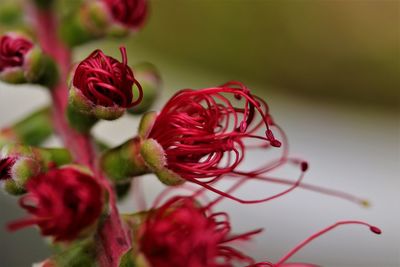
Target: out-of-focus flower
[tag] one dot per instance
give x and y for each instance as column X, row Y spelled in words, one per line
column 20, row 60
column 104, row 87
column 182, row 233
column 130, row 13
column 65, row 203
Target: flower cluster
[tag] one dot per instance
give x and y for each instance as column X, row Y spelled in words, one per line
column 197, row 139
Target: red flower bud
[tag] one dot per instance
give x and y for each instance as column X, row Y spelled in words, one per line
column 104, row 82
column 131, row 13
column 62, row 202
column 181, row 233
column 203, row 132
column 13, row 50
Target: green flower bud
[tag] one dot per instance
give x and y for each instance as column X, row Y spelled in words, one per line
column 20, row 163
column 124, row 162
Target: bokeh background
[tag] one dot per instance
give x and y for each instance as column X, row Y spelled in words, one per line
column 330, row 71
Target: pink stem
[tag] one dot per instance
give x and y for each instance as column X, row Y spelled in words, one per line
column 80, row 145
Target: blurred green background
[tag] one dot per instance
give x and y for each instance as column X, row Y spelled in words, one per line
column 345, row 50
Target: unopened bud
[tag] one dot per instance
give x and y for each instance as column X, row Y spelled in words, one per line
column 103, row 88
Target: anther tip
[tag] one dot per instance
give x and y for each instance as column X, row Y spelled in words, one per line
column 366, row 203
column 304, row 166
column 375, row 230
column 275, row 143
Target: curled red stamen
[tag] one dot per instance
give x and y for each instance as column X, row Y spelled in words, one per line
column 107, row 82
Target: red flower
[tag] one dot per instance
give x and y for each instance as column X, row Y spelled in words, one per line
column 181, row 233
column 202, row 132
column 106, row 82
column 13, row 49
column 62, row 202
column 131, row 13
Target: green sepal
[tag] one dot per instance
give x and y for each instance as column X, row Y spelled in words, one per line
column 169, row 177
column 146, row 124
column 124, row 162
column 50, row 75
column 95, row 18
column 73, row 33
column 127, row 260
column 153, row 154
column 77, row 254
column 81, row 104
column 107, row 113
column 35, row 65
column 11, row 187
column 55, row 156
column 81, row 122
column 13, row 75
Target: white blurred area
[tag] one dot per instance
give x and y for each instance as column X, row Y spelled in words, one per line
column 349, row 147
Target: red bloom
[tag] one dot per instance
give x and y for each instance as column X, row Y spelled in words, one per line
column 13, row 50
column 62, row 202
column 181, row 233
column 105, row 81
column 202, row 132
column 131, row 13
